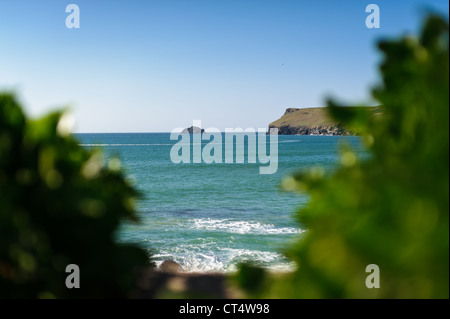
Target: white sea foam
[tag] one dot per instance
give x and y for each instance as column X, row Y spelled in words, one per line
column 154, row 144
column 241, row 227
column 271, row 260
column 194, row 260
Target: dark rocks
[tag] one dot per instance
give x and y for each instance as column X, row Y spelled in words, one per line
column 156, row 284
column 193, row 130
column 314, row 130
column 170, row 266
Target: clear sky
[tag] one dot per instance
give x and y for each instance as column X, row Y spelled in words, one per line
column 153, row 65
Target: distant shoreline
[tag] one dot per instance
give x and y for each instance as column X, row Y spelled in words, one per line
column 296, row 134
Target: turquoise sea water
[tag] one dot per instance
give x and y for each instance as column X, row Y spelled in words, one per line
column 210, row 217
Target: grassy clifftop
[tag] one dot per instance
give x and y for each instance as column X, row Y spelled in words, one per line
column 311, row 121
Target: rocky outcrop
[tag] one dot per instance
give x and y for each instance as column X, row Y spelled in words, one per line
column 170, row 266
column 308, row 121
column 154, row 284
column 313, row 130
column 193, row 130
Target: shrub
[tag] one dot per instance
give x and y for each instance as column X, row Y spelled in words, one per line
column 392, row 209
column 59, row 205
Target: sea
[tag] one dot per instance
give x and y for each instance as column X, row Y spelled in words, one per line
column 212, row 217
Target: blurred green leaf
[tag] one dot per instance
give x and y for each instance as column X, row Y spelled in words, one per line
column 60, row 205
column 392, row 208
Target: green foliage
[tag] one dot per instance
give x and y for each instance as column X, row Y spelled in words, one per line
column 393, row 208
column 59, row 205
column 252, row 279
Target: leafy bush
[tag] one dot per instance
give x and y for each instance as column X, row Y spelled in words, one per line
column 59, row 205
column 392, row 209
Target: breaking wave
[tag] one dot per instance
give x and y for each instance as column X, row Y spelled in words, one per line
column 241, row 227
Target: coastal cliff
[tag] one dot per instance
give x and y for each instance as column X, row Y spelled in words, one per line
column 309, row 121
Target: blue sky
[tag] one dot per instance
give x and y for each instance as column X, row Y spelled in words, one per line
column 151, row 66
